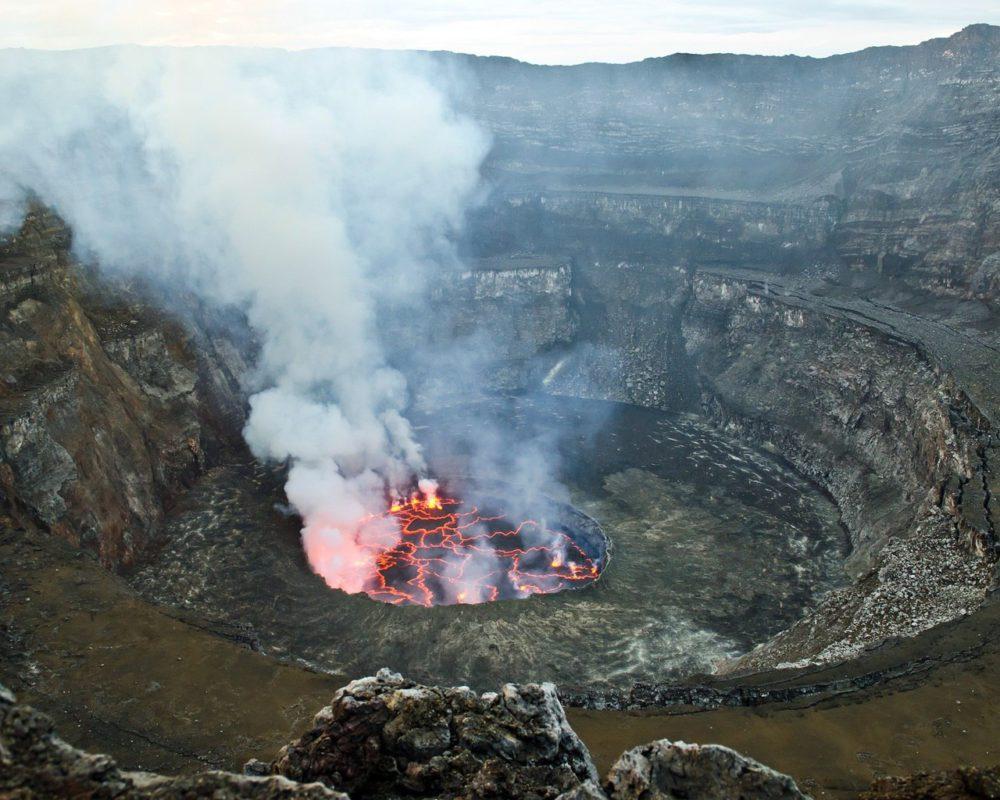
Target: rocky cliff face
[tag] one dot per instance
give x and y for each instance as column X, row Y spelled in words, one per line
column 109, row 408
column 884, row 427
column 876, row 405
column 879, row 163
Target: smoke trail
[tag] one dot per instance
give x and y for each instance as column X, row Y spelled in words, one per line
column 291, row 186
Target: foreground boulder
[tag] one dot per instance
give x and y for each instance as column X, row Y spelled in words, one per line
column 35, row 763
column 665, row 770
column 385, row 736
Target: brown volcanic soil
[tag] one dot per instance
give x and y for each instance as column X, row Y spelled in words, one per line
column 835, row 748
column 160, row 692
column 124, row 677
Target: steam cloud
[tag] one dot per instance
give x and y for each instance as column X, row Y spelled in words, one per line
column 290, row 186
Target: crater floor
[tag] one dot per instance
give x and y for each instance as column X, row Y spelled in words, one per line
column 715, row 547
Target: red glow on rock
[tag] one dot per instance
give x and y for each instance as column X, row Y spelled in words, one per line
column 449, row 553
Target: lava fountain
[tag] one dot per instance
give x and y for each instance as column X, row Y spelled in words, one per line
column 434, row 548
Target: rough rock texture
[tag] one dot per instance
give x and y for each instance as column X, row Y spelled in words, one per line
column 879, row 423
column 881, row 162
column 36, row 763
column 107, row 408
column 891, row 413
column 585, row 791
column 965, row 783
column 507, row 310
column 385, row 735
column 665, row 770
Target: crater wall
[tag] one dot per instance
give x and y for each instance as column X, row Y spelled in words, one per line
column 108, row 409
column 849, row 393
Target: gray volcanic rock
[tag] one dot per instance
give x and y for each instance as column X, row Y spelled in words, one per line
column 36, row 763
column 385, row 735
column 666, row 770
column 881, row 162
column 585, row 791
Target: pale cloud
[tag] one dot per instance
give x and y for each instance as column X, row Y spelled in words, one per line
column 543, row 31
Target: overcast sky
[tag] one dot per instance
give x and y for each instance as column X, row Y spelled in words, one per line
column 542, row 31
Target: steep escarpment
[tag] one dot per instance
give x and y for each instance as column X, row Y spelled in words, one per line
column 890, row 412
column 109, row 408
column 886, row 160
column 884, row 427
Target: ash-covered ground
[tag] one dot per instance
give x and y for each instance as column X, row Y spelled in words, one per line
column 716, row 547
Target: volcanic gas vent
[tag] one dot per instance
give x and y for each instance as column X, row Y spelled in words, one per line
column 465, row 544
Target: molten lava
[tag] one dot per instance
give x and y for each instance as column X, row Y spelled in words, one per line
column 447, row 552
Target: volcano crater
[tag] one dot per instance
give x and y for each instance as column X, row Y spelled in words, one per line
column 717, row 546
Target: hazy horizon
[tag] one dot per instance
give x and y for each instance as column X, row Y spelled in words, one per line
column 544, row 32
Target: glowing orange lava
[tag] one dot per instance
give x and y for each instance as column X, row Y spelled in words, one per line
column 448, row 552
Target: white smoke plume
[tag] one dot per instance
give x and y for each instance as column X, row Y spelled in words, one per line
column 313, row 190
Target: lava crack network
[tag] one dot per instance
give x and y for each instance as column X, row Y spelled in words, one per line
column 449, row 552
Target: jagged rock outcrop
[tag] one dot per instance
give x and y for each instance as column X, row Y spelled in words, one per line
column 666, row 770
column 36, row 763
column 108, row 408
column 384, row 735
